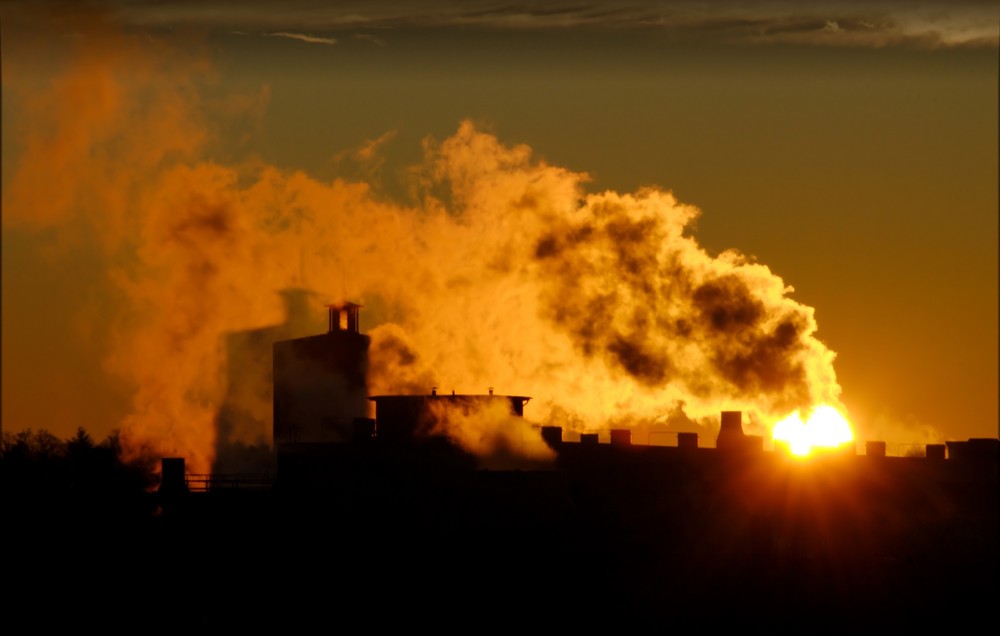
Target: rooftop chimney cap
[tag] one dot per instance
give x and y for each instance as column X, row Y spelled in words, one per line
column 344, row 305
column 344, row 317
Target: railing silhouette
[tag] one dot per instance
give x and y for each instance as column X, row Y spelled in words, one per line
column 230, row 481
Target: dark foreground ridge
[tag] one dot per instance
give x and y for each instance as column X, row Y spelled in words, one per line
column 412, row 533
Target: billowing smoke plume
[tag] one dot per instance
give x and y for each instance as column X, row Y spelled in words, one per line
column 498, row 438
column 505, row 273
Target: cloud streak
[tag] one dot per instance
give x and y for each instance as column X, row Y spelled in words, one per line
column 861, row 24
column 302, row 37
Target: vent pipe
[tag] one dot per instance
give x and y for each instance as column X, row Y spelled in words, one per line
column 344, row 317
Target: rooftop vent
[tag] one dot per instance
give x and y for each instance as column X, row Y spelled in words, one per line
column 344, row 317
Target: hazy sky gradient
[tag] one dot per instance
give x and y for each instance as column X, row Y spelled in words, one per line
column 849, row 146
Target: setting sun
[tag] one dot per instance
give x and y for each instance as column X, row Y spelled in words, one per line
column 825, row 427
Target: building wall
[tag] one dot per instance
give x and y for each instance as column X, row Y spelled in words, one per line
column 320, row 387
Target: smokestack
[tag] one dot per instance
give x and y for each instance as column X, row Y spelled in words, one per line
column 687, row 440
column 730, row 431
column 172, row 479
column 875, row 449
column 935, row 452
column 621, row 437
column 552, row 435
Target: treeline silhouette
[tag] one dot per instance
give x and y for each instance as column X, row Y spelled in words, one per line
column 84, row 528
column 39, row 467
column 77, row 485
column 39, row 463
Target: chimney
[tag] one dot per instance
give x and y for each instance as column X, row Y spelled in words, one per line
column 730, row 431
column 935, row 452
column 687, row 440
column 875, row 449
column 172, row 478
column 621, row 437
column 552, row 435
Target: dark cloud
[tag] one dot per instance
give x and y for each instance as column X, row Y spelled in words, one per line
column 634, row 292
column 874, row 24
column 726, row 305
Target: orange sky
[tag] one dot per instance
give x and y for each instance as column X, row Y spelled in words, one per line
column 851, row 151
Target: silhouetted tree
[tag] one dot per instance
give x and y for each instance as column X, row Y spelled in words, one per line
column 32, row 445
column 33, row 461
column 82, row 442
column 45, row 478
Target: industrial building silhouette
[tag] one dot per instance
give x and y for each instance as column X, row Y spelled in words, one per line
column 616, row 530
column 321, row 399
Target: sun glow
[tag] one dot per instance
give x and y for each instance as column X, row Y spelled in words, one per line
column 825, row 428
